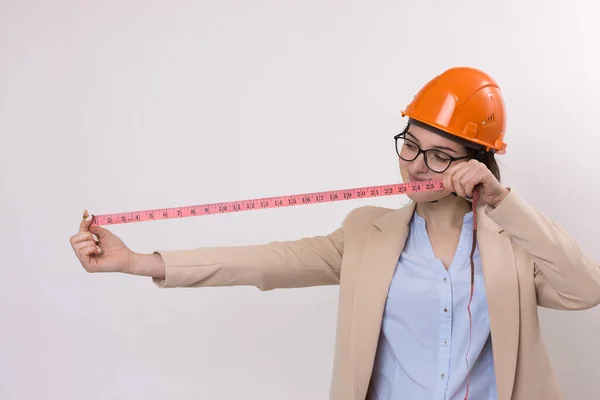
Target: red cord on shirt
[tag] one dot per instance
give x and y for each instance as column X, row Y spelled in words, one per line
column 474, row 205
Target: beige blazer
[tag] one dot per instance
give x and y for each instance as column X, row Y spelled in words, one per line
column 527, row 260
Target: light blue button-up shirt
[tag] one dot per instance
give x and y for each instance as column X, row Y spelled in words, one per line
column 425, row 330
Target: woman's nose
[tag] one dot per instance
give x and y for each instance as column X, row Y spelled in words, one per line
column 418, row 164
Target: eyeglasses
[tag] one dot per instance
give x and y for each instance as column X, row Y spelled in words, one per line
column 436, row 160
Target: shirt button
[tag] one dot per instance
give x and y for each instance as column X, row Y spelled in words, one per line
column 445, row 279
column 445, row 310
column 445, row 343
column 442, row 376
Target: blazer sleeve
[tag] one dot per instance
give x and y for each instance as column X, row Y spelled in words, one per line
column 565, row 278
column 309, row 261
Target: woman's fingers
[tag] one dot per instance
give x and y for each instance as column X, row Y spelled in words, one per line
column 84, row 252
column 88, row 249
column 84, row 230
column 85, row 243
column 468, row 182
column 457, row 180
column 448, row 178
column 88, row 244
column 462, row 178
column 83, row 236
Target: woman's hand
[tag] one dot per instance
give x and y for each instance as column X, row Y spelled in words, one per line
column 463, row 177
column 99, row 250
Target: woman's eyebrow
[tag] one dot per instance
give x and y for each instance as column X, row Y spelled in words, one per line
column 434, row 147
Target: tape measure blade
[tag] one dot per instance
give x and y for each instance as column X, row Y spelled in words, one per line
column 268, row 202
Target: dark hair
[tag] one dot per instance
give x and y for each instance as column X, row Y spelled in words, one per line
column 473, row 150
column 488, row 158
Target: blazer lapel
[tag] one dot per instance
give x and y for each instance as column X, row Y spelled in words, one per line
column 382, row 251
column 500, row 276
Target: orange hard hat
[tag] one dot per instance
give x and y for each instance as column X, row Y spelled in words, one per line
column 466, row 103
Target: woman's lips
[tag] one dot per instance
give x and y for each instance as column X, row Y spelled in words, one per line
column 415, row 179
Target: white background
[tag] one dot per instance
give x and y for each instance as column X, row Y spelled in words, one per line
column 127, row 105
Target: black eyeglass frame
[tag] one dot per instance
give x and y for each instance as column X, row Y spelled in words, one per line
column 402, row 135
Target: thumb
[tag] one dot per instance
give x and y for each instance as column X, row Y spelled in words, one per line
column 85, row 222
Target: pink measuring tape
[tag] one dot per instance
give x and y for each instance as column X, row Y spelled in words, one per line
column 267, row 202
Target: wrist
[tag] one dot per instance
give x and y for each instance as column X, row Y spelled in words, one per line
column 151, row 265
column 498, row 199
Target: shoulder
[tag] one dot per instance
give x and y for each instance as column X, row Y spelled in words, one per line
column 367, row 215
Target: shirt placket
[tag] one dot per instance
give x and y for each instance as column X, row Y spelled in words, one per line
column 445, row 333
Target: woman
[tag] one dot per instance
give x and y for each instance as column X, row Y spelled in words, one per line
column 435, row 302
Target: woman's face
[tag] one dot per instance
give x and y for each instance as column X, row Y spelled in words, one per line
column 417, row 170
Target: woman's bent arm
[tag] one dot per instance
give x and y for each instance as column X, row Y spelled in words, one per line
column 565, row 277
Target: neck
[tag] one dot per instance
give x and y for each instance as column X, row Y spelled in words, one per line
column 447, row 213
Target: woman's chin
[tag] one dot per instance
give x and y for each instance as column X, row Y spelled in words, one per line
column 426, row 197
